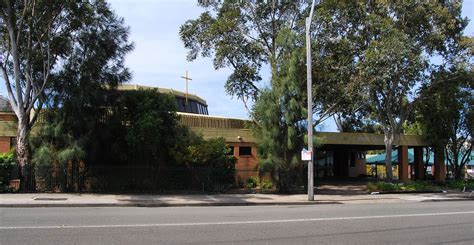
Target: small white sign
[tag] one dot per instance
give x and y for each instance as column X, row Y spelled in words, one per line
column 306, row 155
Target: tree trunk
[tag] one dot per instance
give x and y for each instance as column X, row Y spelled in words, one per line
column 458, row 173
column 439, row 163
column 388, row 140
column 23, row 156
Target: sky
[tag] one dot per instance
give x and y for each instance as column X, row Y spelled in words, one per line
column 159, row 57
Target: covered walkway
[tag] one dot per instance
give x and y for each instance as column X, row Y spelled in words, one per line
column 347, row 151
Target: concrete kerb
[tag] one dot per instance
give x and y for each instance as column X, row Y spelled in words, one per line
column 151, row 205
column 187, row 201
column 37, row 205
column 449, row 200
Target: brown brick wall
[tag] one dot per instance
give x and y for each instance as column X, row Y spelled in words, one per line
column 4, row 144
column 245, row 166
column 7, row 117
column 245, row 162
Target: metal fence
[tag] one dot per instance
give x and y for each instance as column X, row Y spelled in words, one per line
column 147, row 179
column 136, row 179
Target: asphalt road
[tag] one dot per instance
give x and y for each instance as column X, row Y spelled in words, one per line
column 409, row 223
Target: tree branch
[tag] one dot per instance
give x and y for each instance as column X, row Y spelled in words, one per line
column 252, row 11
column 20, row 23
column 16, row 61
column 14, row 105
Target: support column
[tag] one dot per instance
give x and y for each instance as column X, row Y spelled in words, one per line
column 440, row 167
column 403, row 163
column 418, row 163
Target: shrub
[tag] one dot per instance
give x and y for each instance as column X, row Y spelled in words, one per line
column 456, row 184
column 371, row 187
column 386, row 186
column 470, row 184
column 7, row 162
column 252, row 182
column 266, row 184
column 460, row 184
column 411, row 186
column 417, row 186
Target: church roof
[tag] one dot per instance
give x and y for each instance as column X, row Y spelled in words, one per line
column 162, row 90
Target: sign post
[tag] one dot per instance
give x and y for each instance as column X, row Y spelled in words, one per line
column 306, row 155
column 309, row 81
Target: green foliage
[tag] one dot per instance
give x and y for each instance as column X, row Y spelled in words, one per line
column 54, row 147
column 417, row 186
column 211, row 153
column 211, row 156
column 252, row 182
column 410, row 186
column 371, row 187
column 53, row 144
column 359, row 121
column 446, row 114
column 152, row 128
column 247, row 35
column 279, row 114
column 370, row 71
column 461, row 184
column 388, row 186
column 255, row 181
column 389, row 51
column 266, row 184
column 470, row 185
column 240, row 35
column 122, row 127
column 136, row 129
column 63, row 54
column 7, row 162
column 80, row 90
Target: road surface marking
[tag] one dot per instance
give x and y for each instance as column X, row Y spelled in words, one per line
column 232, row 222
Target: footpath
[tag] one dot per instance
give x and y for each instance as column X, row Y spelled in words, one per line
column 106, row 200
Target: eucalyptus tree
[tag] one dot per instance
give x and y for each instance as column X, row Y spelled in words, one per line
column 447, row 115
column 242, row 36
column 390, row 71
column 393, row 42
column 38, row 41
column 370, row 55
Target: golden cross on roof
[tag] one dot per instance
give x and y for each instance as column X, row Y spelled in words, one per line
column 186, row 77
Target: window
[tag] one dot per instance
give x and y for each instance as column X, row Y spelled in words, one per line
column 202, row 109
column 245, row 151
column 181, row 104
column 199, row 108
column 194, row 108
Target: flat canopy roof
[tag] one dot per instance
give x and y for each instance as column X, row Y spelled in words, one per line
column 233, row 127
column 365, row 140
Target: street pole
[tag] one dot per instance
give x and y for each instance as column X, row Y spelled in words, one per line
column 310, row 105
